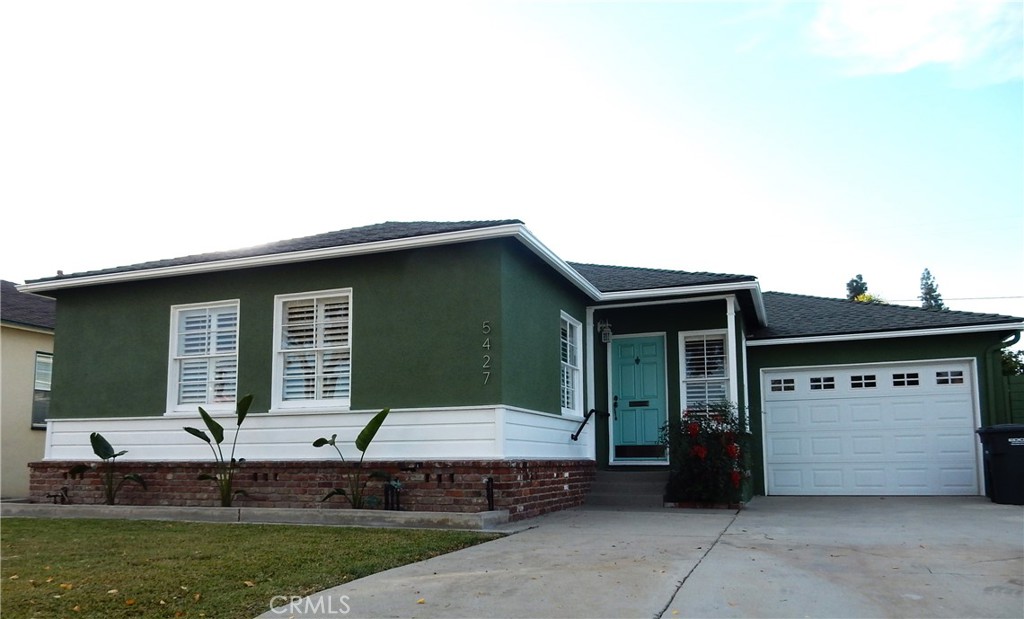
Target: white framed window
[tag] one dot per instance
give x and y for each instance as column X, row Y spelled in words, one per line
column 705, row 368
column 819, row 383
column 572, row 374
column 204, row 356
column 313, row 349
column 41, row 389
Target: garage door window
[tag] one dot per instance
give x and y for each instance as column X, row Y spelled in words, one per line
column 863, row 381
column 951, row 377
column 909, row 379
column 822, row 383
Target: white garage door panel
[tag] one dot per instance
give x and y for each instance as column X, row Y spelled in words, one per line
column 885, row 429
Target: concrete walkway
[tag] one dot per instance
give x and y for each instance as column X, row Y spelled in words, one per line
column 777, row 557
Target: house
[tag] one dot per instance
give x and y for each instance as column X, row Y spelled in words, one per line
column 491, row 351
column 26, row 344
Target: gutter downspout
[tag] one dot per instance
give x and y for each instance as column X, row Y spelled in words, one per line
column 994, row 373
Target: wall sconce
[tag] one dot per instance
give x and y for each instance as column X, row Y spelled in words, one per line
column 605, row 328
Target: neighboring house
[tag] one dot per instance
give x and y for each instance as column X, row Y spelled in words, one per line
column 490, row 349
column 26, row 360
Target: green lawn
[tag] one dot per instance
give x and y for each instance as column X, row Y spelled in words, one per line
column 124, row 568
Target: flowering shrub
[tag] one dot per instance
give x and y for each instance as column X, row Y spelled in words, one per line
column 710, row 457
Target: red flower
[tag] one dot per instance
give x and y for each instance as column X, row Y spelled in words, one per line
column 733, row 450
column 735, row 476
column 694, row 429
column 700, row 451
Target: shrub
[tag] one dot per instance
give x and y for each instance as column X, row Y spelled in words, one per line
column 710, row 456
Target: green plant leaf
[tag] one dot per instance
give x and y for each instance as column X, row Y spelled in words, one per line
column 101, row 447
column 135, row 477
column 78, row 470
column 242, row 408
column 366, row 436
column 320, row 442
column 334, row 492
column 216, row 430
column 197, row 433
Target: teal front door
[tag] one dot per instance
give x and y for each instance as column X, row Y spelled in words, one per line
column 638, row 399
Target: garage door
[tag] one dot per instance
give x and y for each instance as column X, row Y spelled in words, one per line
column 896, row 429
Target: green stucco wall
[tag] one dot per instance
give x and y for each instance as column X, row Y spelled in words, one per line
column 417, row 330
column 983, row 348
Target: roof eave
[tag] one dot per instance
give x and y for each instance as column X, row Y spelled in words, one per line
column 517, row 231
column 881, row 335
column 704, row 289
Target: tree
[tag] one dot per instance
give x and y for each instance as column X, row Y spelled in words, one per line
column 856, row 287
column 930, row 297
column 1013, row 362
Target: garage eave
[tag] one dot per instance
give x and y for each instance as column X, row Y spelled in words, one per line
column 884, row 335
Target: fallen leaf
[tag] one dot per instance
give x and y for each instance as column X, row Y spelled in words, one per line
column 197, row 596
column 249, row 583
column 112, row 591
column 15, row 577
column 163, row 603
column 67, row 586
column 421, row 601
column 50, row 579
column 129, row 602
column 77, row 608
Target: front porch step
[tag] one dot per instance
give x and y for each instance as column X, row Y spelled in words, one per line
column 628, row 489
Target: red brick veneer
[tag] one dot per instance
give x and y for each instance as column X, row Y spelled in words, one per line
column 526, row 488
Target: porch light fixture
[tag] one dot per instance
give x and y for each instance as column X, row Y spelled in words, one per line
column 605, row 328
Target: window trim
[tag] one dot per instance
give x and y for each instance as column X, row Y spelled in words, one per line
column 40, row 425
column 723, row 334
column 577, row 370
column 172, row 358
column 278, row 403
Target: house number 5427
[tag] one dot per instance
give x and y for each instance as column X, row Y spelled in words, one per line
column 486, row 365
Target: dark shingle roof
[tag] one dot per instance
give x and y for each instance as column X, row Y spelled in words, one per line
column 388, row 231
column 615, row 279
column 26, row 309
column 793, row 315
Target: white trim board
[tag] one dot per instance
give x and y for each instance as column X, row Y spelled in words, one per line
column 461, row 433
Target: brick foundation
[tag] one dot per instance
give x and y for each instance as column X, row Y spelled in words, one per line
column 526, row 488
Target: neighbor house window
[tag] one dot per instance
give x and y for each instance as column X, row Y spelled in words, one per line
column 41, row 389
column 313, row 358
column 571, row 370
column 705, row 370
column 204, row 355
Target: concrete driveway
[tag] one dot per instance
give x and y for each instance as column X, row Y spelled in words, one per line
column 777, row 557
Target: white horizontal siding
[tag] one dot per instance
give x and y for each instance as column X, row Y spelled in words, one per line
column 468, row 433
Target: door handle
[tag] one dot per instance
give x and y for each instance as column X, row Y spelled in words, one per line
column 615, row 408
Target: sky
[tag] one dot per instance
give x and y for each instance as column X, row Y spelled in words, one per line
column 800, row 142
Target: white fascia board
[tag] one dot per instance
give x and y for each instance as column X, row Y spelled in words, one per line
column 463, row 236
column 557, row 263
column 706, row 290
column 886, row 335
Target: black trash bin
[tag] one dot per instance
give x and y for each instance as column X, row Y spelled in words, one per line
column 1003, row 447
